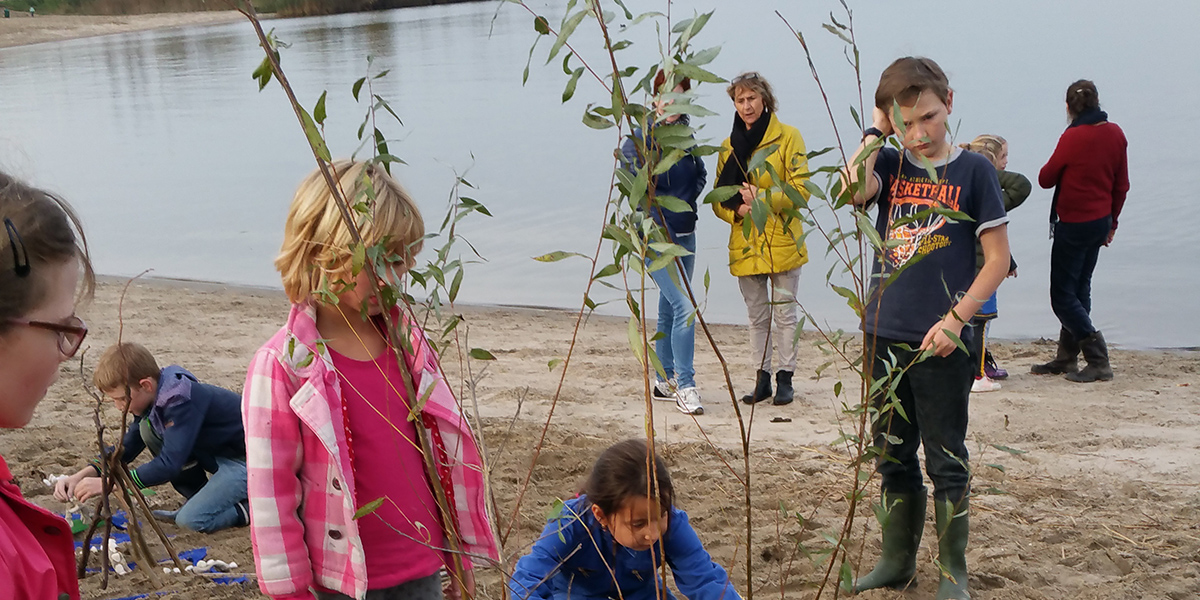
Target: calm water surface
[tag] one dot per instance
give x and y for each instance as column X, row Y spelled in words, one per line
column 178, row 164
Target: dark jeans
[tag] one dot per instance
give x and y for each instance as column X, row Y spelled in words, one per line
column 425, row 588
column 1072, row 260
column 934, row 395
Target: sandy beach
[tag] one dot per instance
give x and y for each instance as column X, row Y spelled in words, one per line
column 22, row 30
column 1081, row 491
column 1095, row 497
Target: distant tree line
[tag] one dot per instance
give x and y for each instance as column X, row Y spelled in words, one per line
column 283, row 8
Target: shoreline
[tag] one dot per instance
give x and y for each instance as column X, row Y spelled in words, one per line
column 203, row 285
column 19, row 30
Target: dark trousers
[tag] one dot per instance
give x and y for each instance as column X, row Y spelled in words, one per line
column 1072, row 260
column 425, row 588
column 933, row 395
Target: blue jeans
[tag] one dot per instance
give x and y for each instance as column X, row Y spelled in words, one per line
column 1073, row 258
column 210, row 501
column 214, row 506
column 934, row 394
column 677, row 348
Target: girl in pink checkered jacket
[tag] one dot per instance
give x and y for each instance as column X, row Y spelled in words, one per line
column 329, row 432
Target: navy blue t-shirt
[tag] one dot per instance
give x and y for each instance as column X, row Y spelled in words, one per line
column 927, row 290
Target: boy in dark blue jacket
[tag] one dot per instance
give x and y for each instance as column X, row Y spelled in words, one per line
column 193, row 430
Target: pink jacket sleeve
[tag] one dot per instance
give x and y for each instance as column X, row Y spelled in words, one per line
column 274, row 454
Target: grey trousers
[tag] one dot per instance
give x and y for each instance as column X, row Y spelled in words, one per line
column 771, row 304
column 425, row 588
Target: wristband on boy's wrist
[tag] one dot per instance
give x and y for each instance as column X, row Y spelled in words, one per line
column 875, row 131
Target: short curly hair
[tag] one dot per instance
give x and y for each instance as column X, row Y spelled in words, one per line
column 756, row 83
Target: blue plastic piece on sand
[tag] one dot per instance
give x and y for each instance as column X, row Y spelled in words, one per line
column 229, row 580
column 194, row 555
column 137, row 597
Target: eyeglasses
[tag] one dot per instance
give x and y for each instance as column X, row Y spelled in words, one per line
column 70, row 334
column 20, row 256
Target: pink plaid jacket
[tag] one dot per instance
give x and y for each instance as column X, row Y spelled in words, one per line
column 300, row 482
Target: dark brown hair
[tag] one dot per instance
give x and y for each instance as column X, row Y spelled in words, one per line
column 908, row 77
column 40, row 230
column 1082, row 97
column 623, row 472
column 661, row 78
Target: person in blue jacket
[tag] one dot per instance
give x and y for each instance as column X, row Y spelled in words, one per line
column 610, row 541
column 676, row 348
column 193, row 430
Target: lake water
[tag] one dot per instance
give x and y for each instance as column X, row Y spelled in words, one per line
column 179, row 164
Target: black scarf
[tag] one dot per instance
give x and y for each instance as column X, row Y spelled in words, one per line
column 1087, row 117
column 744, row 142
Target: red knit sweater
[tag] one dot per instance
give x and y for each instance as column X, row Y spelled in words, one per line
column 1089, row 168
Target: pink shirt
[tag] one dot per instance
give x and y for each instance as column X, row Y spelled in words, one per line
column 400, row 535
column 302, row 489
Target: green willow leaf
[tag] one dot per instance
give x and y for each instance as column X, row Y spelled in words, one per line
column 556, row 256
column 594, row 121
column 569, row 91
column 568, row 28
column 481, row 354
column 314, row 136
column 368, row 508
column 319, row 109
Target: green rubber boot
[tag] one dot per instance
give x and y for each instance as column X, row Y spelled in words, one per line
column 897, row 566
column 952, row 528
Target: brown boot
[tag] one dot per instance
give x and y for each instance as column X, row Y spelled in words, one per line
column 1067, row 359
column 1095, row 351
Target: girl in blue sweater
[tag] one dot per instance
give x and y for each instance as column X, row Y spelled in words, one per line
column 610, row 541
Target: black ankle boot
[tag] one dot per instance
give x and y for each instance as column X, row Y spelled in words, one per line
column 762, row 388
column 784, row 394
column 1067, row 359
column 1095, row 351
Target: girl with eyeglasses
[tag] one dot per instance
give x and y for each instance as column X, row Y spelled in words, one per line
column 43, row 258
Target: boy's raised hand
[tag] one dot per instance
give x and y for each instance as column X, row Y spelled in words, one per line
column 881, row 121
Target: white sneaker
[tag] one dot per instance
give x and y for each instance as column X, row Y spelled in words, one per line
column 985, row 384
column 664, row 391
column 687, row 400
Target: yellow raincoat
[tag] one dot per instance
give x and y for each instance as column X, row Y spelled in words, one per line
column 775, row 250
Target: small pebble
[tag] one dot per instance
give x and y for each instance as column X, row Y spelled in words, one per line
column 175, row 570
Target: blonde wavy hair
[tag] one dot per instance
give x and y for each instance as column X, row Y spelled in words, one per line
column 317, row 245
column 991, row 146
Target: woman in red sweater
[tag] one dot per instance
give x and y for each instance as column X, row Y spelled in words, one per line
column 1089, row 174
column 42, row 259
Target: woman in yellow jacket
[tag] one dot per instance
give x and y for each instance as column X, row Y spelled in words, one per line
column 765, row 254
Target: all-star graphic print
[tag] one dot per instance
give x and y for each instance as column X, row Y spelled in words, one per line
column 937, row 253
